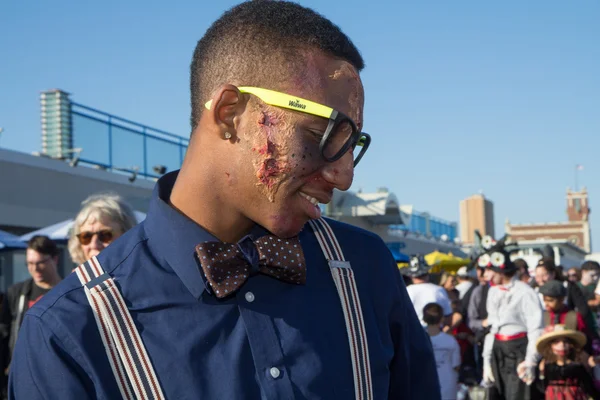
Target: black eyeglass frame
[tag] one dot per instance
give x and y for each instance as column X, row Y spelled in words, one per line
column 357, row 138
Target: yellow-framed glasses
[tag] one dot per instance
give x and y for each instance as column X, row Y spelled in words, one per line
column 341, row 133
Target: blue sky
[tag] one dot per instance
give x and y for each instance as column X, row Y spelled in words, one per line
column 463, row 96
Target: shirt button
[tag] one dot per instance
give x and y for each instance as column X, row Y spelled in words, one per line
column 275, row 372
column 249, row 297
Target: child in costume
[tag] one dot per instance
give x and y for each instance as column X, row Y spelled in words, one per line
column 565, row 368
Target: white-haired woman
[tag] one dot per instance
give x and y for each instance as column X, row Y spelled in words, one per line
column 102, row 219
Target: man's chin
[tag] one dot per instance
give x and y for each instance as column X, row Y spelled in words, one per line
column 286, row 226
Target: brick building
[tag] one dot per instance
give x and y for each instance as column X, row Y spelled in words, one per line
column 576, row 229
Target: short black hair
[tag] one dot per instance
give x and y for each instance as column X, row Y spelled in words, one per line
column 590, row 266
column 522, row 265
column 548, row 264
column 509, row 273
column 433, row 314
column 43, row 245
column 261, row 43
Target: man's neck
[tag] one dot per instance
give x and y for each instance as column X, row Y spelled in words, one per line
column 433, row 330
column 196, row 197
column 506, row 280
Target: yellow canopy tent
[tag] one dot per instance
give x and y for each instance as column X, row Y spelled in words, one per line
column 445, row 262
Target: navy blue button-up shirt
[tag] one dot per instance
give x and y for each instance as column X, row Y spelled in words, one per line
column 206, row 348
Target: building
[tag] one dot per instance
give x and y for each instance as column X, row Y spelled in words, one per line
column 565, row 253
column 476, row 213
column 576, row 229
column 57, row 141
column 400, row 226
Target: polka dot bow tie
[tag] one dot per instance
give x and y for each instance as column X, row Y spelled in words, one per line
column 226, row 268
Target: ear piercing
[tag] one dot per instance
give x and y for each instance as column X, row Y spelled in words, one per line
column 227, row 135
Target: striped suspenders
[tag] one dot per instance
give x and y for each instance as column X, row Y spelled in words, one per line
column 346, row 287
column 126, row 353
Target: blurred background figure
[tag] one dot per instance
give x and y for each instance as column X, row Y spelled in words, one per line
column 423, row 292
column 477, row 315
column 465, row 282
column 573, row 275
column 522, row 270
column 42, row 262
column 445, row 349
column 102, row 219
column 590, row 271
column 448, row 281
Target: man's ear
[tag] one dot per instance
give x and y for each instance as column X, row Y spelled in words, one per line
column 225, row 105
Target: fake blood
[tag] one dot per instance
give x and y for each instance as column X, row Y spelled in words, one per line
column 269, row 168
column 268, row 149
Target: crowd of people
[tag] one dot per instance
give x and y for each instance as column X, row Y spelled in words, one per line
column 500, row 333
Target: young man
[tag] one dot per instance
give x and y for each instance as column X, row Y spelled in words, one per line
column 233, row 287
column 446, row 350
column 42, row 261
column 515, row 320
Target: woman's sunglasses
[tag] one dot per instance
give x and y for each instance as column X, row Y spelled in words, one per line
column 105, row 236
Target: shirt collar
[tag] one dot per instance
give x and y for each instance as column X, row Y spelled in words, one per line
column 508, row 286
column 173, row 237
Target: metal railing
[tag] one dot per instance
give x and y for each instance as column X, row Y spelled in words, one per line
column 123, row 146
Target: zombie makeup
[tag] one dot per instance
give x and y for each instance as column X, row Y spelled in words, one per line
column 271, row 161
column 561, row 347
column 346, row 73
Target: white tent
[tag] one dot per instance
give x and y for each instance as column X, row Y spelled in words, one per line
column 10, row 241
column 60, row 230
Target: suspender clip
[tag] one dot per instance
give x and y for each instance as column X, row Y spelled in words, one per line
column 339, row 264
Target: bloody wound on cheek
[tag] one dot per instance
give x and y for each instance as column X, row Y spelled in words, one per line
column 268, row 170
column 269, row 167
